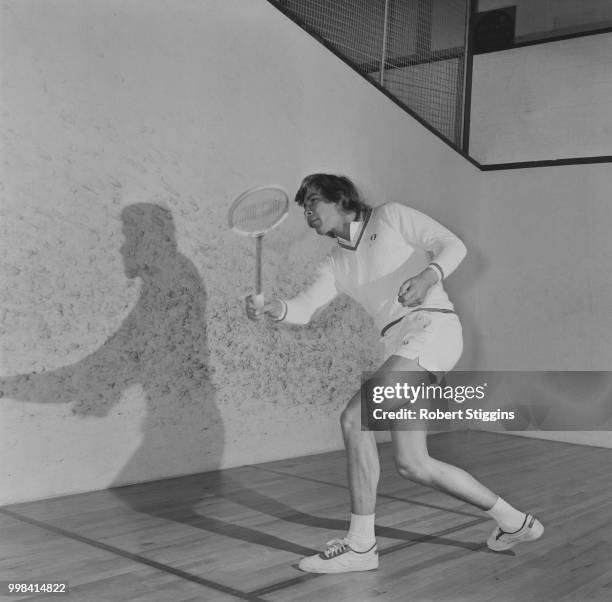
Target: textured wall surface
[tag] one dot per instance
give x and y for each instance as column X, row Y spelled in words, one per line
column 549, row 101
column 127, row 130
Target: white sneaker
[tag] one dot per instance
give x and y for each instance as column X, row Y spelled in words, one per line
column 531, row 530
column 339, row 557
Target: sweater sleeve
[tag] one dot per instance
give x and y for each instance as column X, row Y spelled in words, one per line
column 418, row 229
column 322, row 291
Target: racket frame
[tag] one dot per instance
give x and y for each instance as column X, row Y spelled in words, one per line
column 258, row 235
column 247, row 193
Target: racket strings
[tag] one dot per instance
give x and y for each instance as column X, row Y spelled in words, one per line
column 254, row 215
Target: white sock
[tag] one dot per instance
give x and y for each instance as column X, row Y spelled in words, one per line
column 361, row 532
column 509, row 518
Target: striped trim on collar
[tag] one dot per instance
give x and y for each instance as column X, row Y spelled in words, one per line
column 362, row 225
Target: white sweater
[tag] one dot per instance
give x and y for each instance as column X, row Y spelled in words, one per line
column 392, row 244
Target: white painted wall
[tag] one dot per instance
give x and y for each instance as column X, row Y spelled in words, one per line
column 111, row 105
column 548, row 101
column 544, row 291
column 545, row 295
column 543, row 299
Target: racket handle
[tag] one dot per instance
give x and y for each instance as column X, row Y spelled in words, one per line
column 258, row 297
column 259, row 300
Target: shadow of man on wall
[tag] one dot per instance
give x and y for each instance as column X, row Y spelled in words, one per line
column 161, row 347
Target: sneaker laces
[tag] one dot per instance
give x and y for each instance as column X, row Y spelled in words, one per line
column 335, row 547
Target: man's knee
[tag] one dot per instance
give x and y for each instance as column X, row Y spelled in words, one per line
column 415, row 469
column 350, row 419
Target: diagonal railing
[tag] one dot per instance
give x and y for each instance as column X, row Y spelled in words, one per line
column 415, row 50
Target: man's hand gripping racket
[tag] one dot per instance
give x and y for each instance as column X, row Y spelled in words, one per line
column 254, row 213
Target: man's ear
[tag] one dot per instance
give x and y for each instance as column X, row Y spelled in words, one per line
column 346, row 203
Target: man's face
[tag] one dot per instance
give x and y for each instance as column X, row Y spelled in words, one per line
column 321, row 214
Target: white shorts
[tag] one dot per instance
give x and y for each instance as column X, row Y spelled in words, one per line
column 433, row 339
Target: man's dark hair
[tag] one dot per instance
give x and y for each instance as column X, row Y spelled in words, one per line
column 336, row 189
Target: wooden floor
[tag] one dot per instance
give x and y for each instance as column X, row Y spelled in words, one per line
column 238, row 534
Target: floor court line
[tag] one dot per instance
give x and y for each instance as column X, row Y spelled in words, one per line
column 430, row 538
column 380, row 495
column 134, row 557
column 252, row 596
column 256, row 594
column 275, row 587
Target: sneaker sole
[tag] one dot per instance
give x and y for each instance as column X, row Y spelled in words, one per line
column 331, row 571
column 534, row 533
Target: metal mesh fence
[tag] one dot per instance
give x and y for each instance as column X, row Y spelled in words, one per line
column 414, row 48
